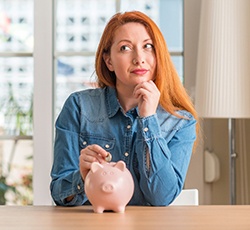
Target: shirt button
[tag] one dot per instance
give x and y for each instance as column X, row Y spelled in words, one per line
column 126, row 154
column 145, row 129
column 107, row 146
column 129, row 126
column 78, row 187
column 84, row 142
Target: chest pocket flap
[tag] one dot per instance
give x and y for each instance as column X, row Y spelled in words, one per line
column 106, row 143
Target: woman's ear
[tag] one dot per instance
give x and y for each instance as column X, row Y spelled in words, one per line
column 107, row 59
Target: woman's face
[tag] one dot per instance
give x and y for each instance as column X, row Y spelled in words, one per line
column 132, row 56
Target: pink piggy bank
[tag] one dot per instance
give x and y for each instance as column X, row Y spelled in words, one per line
column 109, row 186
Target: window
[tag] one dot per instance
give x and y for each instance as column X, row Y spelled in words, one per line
column 16, row 97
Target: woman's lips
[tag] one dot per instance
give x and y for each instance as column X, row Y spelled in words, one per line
column 139, row 71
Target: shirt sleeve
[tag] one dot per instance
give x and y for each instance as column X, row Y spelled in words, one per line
column 169, row 157
column 65, row 174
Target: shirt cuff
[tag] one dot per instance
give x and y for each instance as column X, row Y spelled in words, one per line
column 150, row 128
column 77, row 191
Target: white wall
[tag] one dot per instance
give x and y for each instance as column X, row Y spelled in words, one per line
column 195, row 176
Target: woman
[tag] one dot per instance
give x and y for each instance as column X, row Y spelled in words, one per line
column 140, row 114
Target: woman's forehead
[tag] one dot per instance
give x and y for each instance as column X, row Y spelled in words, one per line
column 131, row 31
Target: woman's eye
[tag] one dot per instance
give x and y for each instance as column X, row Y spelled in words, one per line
column 149, row 46
column 124, row 48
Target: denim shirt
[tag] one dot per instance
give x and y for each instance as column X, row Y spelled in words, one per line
column 95, row 116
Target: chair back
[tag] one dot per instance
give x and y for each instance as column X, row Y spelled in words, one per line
column 187, row 197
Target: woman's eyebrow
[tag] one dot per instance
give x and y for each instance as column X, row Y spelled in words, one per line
column 124, row 40
column 129, row 41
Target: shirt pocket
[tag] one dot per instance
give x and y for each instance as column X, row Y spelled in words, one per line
column 91, row 139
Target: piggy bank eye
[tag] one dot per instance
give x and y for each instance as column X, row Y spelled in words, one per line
column 104, row 173
column 111, row 173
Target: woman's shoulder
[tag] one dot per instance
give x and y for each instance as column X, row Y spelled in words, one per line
column 88, row 92
column 179, row 114
column 184, row 114
column 177, row 121
column 83, row 97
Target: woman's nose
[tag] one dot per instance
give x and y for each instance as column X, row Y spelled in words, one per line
column 136, row 61
column 139, row 57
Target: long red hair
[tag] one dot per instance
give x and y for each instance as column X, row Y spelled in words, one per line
column 173, row 95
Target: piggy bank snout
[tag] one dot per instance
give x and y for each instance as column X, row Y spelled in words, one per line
column 107, row 187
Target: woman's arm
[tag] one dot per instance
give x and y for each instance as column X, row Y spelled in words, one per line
column 66, row 179
column 165, row 158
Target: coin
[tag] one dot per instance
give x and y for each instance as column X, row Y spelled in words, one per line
column 108, row 158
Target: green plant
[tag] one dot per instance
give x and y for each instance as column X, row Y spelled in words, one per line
column 4, row 188
column 23, row 195
column 18, row 121
column 20, row 190
column 14, row 113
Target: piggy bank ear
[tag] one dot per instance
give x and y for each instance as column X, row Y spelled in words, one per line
column 120, row 165
column 95, row 166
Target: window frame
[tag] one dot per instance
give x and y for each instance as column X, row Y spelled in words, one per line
column 43, row 92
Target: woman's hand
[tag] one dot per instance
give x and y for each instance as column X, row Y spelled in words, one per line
column 148, row 95
column 90, row 154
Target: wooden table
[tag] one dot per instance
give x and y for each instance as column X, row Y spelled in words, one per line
column 136, row 218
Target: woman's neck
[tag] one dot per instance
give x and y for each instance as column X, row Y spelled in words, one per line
column 126, row 99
